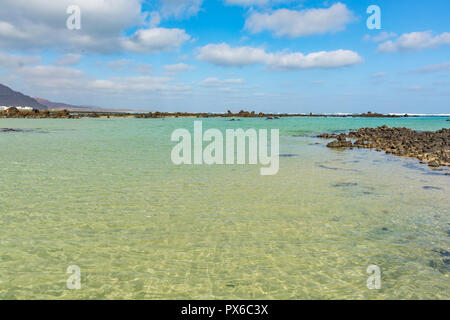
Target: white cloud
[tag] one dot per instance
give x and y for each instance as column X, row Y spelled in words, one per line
column 128, row 65
column 42, row 23
column 415, row 41
column 155, row 40
column 180, row 8
column 143, row 68
column 260, row 3
column 154, row 19
column 380, row 37
column 216, row 82
column 65, row 80
column 143, row 83
column 322, row 59
column 433, row 68
column 247, row 3
column 37, row 24
column 224, row 55
column 51, row 77
column 69, row 59
column 178, row 67
column 119, row 65
column 293, row 23
column 50, row 72
column 12, row 61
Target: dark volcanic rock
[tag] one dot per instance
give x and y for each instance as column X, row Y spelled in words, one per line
column 341, row 142
column 429, row 147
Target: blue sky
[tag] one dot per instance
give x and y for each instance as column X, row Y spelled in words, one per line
column 215, row 55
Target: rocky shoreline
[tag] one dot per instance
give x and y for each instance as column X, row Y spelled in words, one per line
column 67, row 114
column 432, row 148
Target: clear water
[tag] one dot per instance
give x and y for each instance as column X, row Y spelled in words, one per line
column 104, row 195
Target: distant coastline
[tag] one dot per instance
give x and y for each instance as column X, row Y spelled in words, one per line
column 13, row 112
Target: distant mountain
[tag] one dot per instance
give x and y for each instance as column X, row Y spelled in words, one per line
column 10, row 98
column 64, row 106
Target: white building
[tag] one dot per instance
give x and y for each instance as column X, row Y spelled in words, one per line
column 3, row 108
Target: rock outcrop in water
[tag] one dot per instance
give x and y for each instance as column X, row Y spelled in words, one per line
column 430, row 147
column 35, row 114
column 340, row 142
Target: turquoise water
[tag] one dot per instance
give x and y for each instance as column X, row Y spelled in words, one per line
column 104, row 195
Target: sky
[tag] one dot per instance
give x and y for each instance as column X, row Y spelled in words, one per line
column 293, row 56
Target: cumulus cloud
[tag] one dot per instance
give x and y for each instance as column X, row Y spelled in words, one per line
column 41, row 24
column 415, row 41
column 322, row 59
column 293, row 23
column 155, row 39
column 178, row 67
column 224, row 55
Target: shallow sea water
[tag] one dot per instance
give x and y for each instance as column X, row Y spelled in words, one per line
column 104, row 195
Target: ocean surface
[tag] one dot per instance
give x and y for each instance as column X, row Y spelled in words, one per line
column 104, row 195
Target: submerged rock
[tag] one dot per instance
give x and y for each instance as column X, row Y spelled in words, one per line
column 340, row 144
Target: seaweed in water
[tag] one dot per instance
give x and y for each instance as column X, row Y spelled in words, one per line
column 431, row 188
column 444, row 253
column 443, row 267
column 288, row 155
column 345, row 184
column 10, row 130
column 332, row 168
